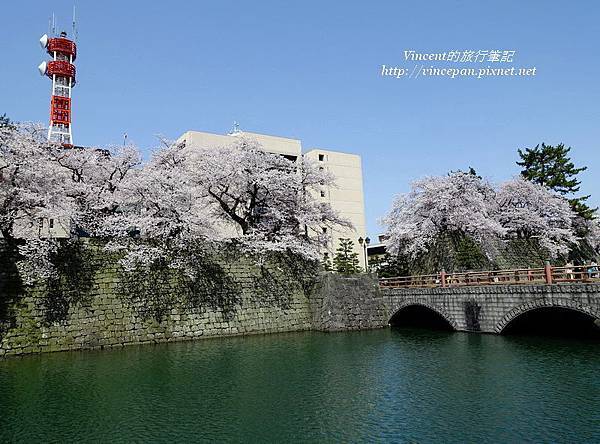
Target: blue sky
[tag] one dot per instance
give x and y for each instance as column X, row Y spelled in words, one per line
column 310, row 70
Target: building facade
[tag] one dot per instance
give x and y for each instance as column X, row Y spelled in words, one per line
column 346, row 197
column 376, row 253
column 57, row 227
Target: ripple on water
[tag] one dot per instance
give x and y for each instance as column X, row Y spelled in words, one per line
column 385, row 385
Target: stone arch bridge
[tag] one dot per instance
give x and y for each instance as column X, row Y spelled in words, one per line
column 490, row 308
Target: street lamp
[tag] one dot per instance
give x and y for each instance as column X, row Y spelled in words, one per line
column 364, row 243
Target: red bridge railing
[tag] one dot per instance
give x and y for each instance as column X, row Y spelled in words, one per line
column 522, row 276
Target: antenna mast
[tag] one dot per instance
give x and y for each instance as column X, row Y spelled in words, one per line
column 61, row 70
column 74, row 26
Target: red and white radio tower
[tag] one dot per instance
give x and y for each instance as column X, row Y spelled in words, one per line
column 61, row 70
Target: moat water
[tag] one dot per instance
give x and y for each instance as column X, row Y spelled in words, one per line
column 386, row 385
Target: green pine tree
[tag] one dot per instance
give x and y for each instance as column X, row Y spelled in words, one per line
column 470, row 171
column 552, row 167
column 346, row 259
column 390, row 266
column 326, row 263
column 6, row 122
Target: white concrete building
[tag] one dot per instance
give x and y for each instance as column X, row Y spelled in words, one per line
column 58, row 227
column 347, row 197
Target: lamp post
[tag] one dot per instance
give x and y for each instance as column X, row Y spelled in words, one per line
column 364, row 244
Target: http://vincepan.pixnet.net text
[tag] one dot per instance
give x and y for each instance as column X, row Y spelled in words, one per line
column 476, row 64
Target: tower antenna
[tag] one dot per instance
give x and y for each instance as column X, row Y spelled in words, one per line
column 61, row 70
column 74, row 26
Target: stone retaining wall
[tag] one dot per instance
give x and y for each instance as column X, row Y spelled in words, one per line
column 95, row 304
column 348, row 303
column 93, row 309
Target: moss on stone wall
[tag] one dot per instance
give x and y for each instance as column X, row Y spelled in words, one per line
column 10, row 286
column 94, row 303
column 77, row 264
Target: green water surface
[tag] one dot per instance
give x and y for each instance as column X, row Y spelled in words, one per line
column 374, row 386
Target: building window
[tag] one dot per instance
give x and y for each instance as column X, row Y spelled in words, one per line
column 51, row 223
column 321, row 157
column 324, row 230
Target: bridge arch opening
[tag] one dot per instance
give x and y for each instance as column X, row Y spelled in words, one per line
column 554, row 321
column 420, row 316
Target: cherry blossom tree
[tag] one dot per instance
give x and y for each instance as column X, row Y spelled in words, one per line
column 96, row 176
column 459, row 202
column 158, row 204
column 466, row 204
column 41, row 180
column 591, row 229
column 265, row 197
column 28, row 176
column 531, row 211
column 182, row 197
column 189, row 197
